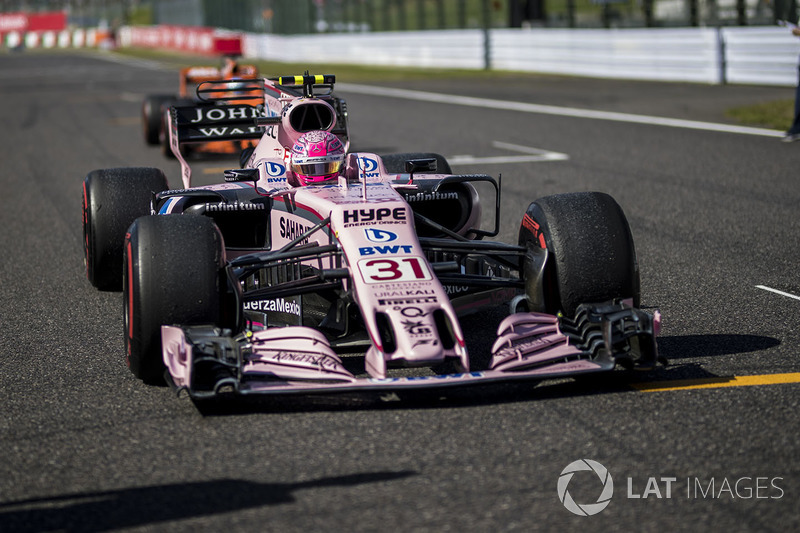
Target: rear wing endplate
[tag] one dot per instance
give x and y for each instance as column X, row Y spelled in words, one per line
column 206, row 123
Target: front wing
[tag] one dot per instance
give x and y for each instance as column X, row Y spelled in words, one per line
column 205, row 361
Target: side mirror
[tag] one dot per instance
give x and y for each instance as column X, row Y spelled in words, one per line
column 241, row 174
column 417, row 165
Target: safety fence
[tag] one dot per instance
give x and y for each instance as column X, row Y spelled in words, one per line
column 761, row 55
column 78, row 38
column 745, row 55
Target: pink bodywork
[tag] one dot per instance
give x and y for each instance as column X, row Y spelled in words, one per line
column 389, row 276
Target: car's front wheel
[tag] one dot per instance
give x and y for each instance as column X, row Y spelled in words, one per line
column 173, row 275
column 590, row 252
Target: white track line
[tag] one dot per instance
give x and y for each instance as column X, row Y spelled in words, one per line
column 533, row 155
column 776, row 291
column 486, row 103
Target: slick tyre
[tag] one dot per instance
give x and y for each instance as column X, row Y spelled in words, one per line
column 590, row 251
column 153, row 107
column 112, row 199
column 173, row 275
column 396, row 163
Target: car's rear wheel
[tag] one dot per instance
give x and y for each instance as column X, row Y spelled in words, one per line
column 152, row 109
column 396, row 163
column 591, row 256
column 112, row 199
column 173, row 275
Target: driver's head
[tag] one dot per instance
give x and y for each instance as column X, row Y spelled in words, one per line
column 230, row 67
column 317, row 156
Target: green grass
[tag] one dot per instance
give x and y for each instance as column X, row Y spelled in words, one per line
column 777, row 114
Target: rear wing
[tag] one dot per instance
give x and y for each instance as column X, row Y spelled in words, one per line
column 235, row 110
column 207, row 122
column 200, row 74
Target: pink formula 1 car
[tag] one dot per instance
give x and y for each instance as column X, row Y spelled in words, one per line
column 260, row 286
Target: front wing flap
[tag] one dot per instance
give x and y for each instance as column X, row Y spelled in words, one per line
column 206, row 361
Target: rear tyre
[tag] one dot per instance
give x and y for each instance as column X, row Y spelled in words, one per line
column 591, row 256
column 173, row 275
column 112, row 199
column 152, row 110
column 396, row 163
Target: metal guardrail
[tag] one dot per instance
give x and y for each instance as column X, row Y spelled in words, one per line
column 744, row 55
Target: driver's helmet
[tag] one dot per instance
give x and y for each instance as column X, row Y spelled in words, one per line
column 230, row 67
column 317, row 156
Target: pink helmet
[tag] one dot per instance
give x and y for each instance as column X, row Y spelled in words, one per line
column 317, row 156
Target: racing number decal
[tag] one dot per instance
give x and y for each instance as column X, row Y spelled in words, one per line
column 394, row 269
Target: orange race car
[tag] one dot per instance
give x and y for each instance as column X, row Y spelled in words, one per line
column 155, row 106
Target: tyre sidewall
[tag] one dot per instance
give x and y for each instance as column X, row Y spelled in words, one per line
column 591, row 256
column 173, row 275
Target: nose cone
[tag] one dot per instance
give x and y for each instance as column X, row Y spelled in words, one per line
column 425, row 351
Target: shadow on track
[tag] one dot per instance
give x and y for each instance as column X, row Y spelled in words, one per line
column 142, row 506
column 686, row 346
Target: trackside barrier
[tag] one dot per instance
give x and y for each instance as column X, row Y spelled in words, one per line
column 190, row 39
column 764, row 56
column 435, row 49
column 194, row 40
column 659, row 54
column 79, row 38
column 743, row 55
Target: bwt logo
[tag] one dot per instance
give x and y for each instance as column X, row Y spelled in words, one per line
column 585, row 509
column 275, row 169
column 368, row 166
column 379, row 235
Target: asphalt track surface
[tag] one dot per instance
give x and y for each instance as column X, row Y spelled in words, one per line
column 86, row 447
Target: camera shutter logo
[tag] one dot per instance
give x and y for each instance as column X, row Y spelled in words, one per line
column 585, row 509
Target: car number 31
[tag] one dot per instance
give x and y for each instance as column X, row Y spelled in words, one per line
column 394, row 269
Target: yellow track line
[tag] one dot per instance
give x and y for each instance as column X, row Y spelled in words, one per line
column 713, row 383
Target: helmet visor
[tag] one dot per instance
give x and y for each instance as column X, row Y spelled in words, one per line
column 317, row 171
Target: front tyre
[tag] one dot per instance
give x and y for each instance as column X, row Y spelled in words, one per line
column 112, row 199
column 173, row 275
column 590, row 252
